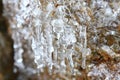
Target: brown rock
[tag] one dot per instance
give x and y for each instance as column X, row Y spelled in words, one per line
column 6, row 50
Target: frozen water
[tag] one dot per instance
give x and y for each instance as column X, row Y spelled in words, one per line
column 62, row 34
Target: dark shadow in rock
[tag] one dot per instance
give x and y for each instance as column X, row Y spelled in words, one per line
column 6, row 49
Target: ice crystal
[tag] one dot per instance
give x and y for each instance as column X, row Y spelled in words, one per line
column 62, row 34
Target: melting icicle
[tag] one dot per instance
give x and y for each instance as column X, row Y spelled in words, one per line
column 84, row 50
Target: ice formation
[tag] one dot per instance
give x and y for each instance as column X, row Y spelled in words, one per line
column 62, row 34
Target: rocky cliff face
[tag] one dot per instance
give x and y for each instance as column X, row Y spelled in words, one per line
column 65, row 39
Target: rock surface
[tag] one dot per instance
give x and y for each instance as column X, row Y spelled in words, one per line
column 6, row 49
